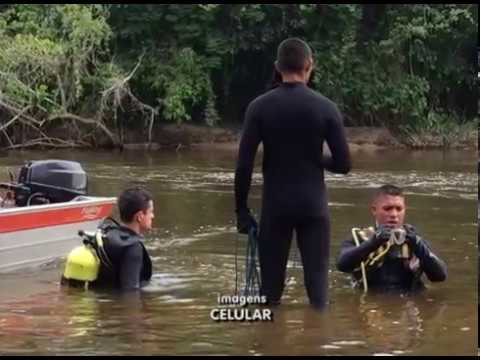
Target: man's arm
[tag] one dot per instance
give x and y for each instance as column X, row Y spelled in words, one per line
column 131, row 267
column 246, row 158
column 434, row 267
column 339, row 160
column 351, row 255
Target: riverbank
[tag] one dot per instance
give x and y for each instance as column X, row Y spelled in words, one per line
column 359, row 138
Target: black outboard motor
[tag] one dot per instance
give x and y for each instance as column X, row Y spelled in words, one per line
column 49, row 181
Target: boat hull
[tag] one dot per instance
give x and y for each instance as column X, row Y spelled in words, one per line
column 38, row 234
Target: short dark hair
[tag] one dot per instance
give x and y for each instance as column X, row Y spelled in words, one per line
column 292, row 54
column 387, row 189
column 131, row 201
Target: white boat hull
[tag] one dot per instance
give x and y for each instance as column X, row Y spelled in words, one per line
column 38, row 234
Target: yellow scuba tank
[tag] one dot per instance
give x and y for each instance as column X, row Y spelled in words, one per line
column 82, row 264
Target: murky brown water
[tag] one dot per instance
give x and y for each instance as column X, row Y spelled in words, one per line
column 193, row 249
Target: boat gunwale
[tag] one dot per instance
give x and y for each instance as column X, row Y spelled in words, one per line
column 90, row 200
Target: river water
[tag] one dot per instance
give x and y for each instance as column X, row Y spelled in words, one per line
column 196, row 252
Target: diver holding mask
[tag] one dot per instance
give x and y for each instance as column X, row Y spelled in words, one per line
column 391, row 255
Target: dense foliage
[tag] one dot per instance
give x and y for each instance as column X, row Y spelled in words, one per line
column 411, row 68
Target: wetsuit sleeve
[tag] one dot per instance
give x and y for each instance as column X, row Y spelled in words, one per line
column 246, row 158
column 351, row 255
column 131, row 267
column 339, row 161
column 434, row 267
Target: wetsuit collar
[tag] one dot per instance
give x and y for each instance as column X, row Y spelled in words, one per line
column 129, row 231
column 293, row 84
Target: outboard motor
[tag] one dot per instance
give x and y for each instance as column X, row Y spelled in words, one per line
column 49, row 181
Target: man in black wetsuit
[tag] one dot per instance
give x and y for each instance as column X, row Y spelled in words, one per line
column 292, row 122
column 127, row 265
column 391, row 255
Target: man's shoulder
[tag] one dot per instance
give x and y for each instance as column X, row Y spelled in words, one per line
column 315, row 99
column 122, row 236
column 321, row 98
column 134, row 250
column 273, row 93
column 263, row 98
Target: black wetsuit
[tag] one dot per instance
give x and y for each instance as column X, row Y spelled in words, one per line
column 392, row 274
column 292, row 121
column 131, row 264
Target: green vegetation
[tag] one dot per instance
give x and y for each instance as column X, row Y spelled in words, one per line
column 84, row 75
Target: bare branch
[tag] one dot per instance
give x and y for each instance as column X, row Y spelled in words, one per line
column 16, row 109
column 15, row 118
column 121, row 83
column 46, row 142
column 8, row 137
column 120, row 91
column 83, row 120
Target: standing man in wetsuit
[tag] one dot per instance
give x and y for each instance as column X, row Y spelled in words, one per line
column 292, row 122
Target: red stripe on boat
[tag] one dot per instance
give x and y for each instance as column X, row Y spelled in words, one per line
column 53, row 217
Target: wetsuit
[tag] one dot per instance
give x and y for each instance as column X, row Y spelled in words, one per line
column 130, row 264
column 292, row 122
column 392, row 273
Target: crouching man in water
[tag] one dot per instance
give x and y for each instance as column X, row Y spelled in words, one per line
column 123, row 262
column 391, row 255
